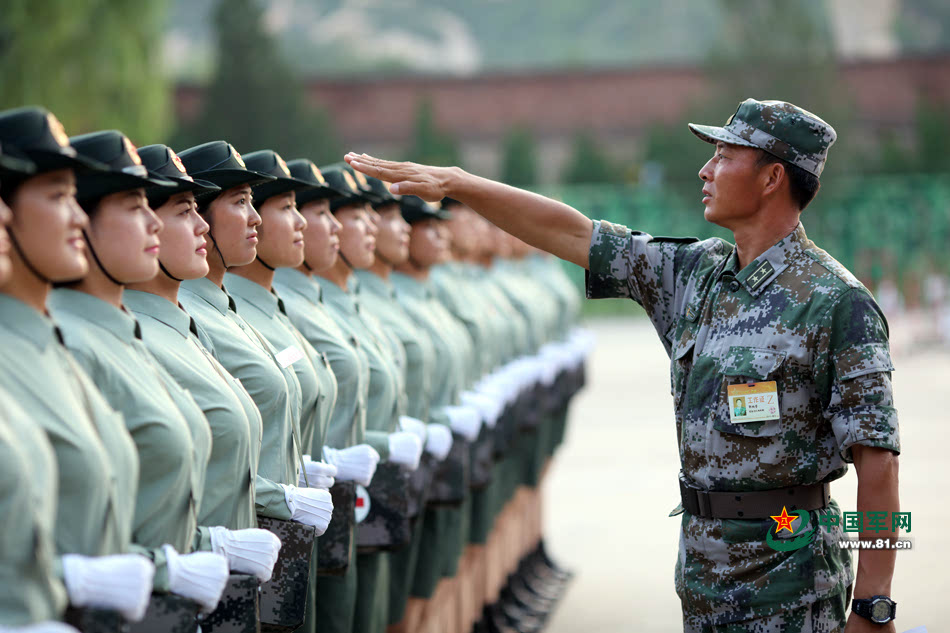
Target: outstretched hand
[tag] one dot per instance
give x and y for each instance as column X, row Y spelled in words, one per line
column 428, row 182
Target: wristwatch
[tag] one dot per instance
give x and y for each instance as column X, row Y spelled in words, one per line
column 877, row 609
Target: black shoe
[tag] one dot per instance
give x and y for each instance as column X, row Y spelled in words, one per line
column 496, row 624
column 524, row 596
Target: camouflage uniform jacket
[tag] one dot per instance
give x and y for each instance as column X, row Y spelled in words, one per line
column 795, row 316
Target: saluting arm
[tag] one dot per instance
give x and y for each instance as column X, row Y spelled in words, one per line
column 547, row 224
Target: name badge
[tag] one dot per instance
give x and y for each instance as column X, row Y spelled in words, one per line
column 289, row 356
column 753, row 402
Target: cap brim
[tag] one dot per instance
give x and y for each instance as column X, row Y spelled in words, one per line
column 279, row 185
column 346, row 199
column 228, row 178
column 47, row 160
column 181, row 185
column 315, row 192
column 14, row 165
column 714, row 134
column 97, row 184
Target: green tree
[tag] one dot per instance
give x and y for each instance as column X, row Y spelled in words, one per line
column 254, row 100
column 589, row 163
column 519, row 164
column 430, row 145
column 94, row 63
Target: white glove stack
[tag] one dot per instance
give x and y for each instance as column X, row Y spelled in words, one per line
column 310, row 506
column 319, row 474
column 405, row 449
column 466, row 421
column 356, row 463
column 489, row 407
column 121, row 582
column 50, row 626
column 249, row 551
column 200, row 576
column 438, row 441
column 413, row 425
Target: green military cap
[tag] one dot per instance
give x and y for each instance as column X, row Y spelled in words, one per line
column 38, row 135
column 305, row 170
column 361, row 183
column 381, row 190
column 343, row 182
column 220, row 163
column 267, row 161
column 125, row 168
column 780, row 128
column 162, row 160
column 450, row 202
column 415, row 209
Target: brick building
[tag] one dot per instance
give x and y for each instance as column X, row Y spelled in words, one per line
column 617, row 106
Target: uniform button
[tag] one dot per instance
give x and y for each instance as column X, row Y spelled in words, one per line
column 734, row 286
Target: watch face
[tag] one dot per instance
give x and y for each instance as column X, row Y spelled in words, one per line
column 880, row 611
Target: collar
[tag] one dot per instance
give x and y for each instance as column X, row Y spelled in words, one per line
column 375, row 285
column 24, row 322
column 292, row 280
column 758, row 274
column 334, row 295
column 252, row 292
column 218, row 298
column 410, row 286
column 95, row 312
column 160, row 309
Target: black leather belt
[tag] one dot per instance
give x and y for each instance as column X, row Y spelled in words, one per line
column 760, row 504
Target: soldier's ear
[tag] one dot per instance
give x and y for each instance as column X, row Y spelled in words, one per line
column 773, row 177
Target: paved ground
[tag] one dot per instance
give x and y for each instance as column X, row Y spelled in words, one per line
column 614, row 482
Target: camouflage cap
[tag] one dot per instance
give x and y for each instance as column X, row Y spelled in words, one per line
column 780, row 128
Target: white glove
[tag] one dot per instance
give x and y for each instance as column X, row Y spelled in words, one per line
column 405, row 449
column 438, row 441
column 200, row 576
column 50, row 626
column 466, row 421
column 356, row 463
column 488, row 407
column 319, row 474
column 249, row 551
column 310, row 506
column 121, row 582
column 413, row 425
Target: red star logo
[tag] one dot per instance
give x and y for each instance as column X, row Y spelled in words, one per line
column 784, row 521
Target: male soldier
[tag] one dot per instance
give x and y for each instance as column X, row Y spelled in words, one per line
column 772, row 315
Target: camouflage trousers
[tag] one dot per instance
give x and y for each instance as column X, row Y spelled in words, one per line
column 824, row 616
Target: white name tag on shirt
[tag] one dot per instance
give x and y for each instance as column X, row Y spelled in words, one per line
column 753, row 402
column 289, row 356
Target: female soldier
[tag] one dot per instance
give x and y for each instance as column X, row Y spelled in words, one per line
column 281, row 245
column 96, row 458
column 227, row 498
column 377, row 295
column 344, row 447
column 170, row 432
column 33, row 597
column 357, row 243
column 232, row 241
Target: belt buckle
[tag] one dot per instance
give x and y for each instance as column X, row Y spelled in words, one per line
column 702, row 500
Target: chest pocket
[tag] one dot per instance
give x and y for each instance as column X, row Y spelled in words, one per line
column 744, row 365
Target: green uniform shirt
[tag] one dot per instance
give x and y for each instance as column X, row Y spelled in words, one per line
column 302, row 297
column 250, row 359
column 458, row 289
column 378, row 297
column 383, row 398
column 265, row 312
column 794, row 316
column 172, row 337
column 172, row 438
column 31, row 591
column 98, row 467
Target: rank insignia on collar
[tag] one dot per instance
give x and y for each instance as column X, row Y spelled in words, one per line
column 758, row 277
